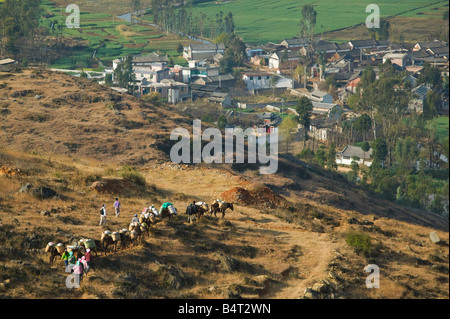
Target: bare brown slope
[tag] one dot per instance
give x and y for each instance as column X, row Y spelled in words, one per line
column 49, row 112
column 53, row 113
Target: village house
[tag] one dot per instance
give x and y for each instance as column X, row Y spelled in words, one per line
column 399, row 59
column 420, row 95
column 423, row 46
column 363, row 44
column 350, row 153
column 149, row 59
column 322, row 97
column 318, row 130
column 331, row 111
column 223, row 99
column 222, row 81
column 284, row 60
column 257, row 80
column 169, row 89
column 197, row 69
column 143, row 75
column 203, row 51
column 294, row 43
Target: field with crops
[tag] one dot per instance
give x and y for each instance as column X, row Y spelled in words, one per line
column 259, row 21
column 108, row 36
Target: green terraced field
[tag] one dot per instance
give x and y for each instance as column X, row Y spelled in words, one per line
column 259, row 21
column 102, row 32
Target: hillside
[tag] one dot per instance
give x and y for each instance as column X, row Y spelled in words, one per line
column 288, row 232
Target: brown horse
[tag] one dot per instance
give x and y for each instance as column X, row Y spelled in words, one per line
column 53, row 253
column 165, row 212
column 220, row 206
column 125, row 239
column 202, row 208
column 106, row 241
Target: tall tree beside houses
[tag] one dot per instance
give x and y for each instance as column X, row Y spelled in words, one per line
column 308, row 22
column 124, row 75
column 304, row 108
column 287, row 128
column 381, row 33
column 234, row 55
column 331, row 156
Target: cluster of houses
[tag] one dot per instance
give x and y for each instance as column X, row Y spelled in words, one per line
column 200, row 78
column 271, row 67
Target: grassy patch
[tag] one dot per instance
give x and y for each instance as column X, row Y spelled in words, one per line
column 360, row 242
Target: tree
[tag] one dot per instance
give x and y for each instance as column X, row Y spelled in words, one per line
column 222, row 122
column 308, row 21
column 180, row 48
column 381, row 33
column 234, row 55
column 331, row 157
column 365, row 147
column 108, row 79
column 368, row 76
column 229, row 23
column 363, row 124
column 287, row 128
column 429, row 75
column 430, row 104
column 320, row 156
column 380, row 151
column 124, row 74
column 303, row 108
column 273, row 83
column 331, row 83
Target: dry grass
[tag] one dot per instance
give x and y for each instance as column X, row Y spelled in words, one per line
column 272, row 253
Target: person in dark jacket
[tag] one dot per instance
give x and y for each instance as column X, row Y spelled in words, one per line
column 88, row 258
column 191, row 211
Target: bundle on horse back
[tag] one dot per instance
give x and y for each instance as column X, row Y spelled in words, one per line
column 133, row 226
column 167, row 210
column 116, row 236
column 134, row 235
column 49, row 246
column 60, row 248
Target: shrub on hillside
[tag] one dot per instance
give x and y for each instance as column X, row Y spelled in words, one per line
column 360, row 242
column 132, row 174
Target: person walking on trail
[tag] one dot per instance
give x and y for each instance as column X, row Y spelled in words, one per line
column 103, row 215
column 117, row 207
column 78, row 269
column 65, row 257
column 191, row 210
column 85, row 266
column 88, row 258
column 135, row 219
column 71, row 262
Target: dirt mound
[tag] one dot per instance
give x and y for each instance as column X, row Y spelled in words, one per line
column 254, row 195
column 114, row 186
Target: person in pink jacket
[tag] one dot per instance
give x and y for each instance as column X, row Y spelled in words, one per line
column 78, row 270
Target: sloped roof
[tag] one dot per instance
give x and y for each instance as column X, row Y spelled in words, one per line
column 210, row 46
column 357, row 151
column 363, row 43
column 150, row 58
